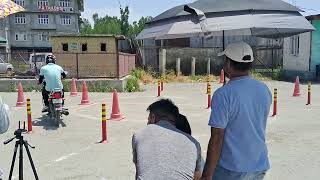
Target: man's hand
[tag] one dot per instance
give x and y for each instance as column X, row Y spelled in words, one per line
column 213, row 153
column 197, row 175
column 41, row 78
column 63, row 75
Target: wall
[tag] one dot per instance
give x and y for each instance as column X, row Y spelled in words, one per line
column 93, row 44
column 201, row 54
column 268, row 52
column 68, row 62
column 88, row 65
column 264, row 58
column 32, row 5
column 8, row 85
column 127, row 62
column 97, row 65
column 92, row 63
column 315, row 56
column 300, row 62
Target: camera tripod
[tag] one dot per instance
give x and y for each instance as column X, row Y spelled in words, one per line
column 20, row 143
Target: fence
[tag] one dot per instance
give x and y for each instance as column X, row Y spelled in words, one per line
column 266, row 58
column 78, row 65
column 15, row 62
column 126, row 63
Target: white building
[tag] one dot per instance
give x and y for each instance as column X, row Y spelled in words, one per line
column 301, row 53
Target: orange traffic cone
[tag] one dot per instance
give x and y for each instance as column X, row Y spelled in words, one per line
column 116, row 115
column 20, row 100
column 222, row 76
column 74, row 91
column 296, row 88
column 85, row 96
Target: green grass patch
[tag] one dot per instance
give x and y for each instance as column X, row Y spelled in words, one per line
column 133, row 85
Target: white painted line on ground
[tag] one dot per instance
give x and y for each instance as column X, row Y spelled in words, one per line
column 85, row 106
column 66, row 157
column 63, row 158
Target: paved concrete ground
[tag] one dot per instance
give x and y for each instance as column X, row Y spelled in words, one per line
column 72, row 152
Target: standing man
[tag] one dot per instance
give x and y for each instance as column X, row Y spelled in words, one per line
column 237, row 149
column 161, row 151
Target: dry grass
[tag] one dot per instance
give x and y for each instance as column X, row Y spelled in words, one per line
column 146, row 78
column 171, row 77
column 150, row 77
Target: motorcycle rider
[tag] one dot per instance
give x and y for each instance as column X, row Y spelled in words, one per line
column 50, row 76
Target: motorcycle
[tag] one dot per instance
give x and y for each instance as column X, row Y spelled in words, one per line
column 56, row 106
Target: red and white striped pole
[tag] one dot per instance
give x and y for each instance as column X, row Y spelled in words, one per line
column 162, row 82
column 275, row 102
column 159, row 88
column 29, row 116
column 309, row 94
column 208, row 82
column 209, row 90
column 104, row 124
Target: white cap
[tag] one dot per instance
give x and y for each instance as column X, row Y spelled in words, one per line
column 238, row 51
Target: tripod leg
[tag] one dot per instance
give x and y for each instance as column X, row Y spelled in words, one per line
column 13, row 160
column 21, row 162
column 31, row 161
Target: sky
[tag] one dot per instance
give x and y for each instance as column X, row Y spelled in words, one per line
column 139, row 8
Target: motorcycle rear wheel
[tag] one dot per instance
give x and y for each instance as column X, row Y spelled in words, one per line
column 57, row 118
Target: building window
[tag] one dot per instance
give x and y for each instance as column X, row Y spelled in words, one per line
column 43, row 3
column 20, row 18
column 103, row 47
column 65, row 19
column 44, row 37
column 19, row 2
column 294, row 45
column 43, row 19
column 84, row 47
column 21, row 37
column 65, row 47
column 64, row 3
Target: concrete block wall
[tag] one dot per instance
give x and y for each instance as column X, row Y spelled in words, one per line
column 298, row 62
column 93, row 44
column 201, row 54
column 9, row 85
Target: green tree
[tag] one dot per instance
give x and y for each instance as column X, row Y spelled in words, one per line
column 124, row 20
column 106, row 25
column 137, row 27
column 114, row 25
column 85, row 26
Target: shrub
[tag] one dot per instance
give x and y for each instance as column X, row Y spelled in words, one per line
column 137, row 73
column 133, row 85
column 142, row 75
column 279, row 75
